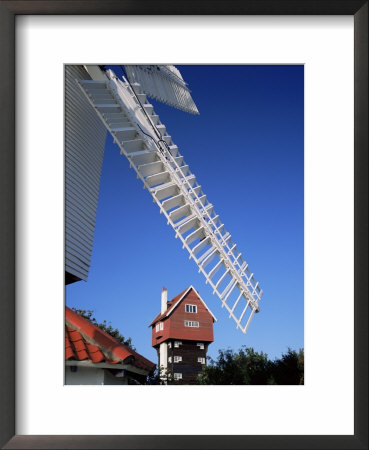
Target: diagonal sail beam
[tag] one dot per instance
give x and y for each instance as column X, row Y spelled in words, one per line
column 156, row 159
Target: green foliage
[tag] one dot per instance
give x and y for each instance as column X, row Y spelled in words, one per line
column 160, row 376
column 249, row 367
column 289, row 369
column 105, row 326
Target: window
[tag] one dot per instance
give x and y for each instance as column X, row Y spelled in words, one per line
column 170, row 359
column 157, row 327
column 177, row 359
column 177, row 376
column 169, row 345
column 191, row 308
column 177, row 343
column 201, row 345
column 161, row 325
column 201, row 360
column 189, row 323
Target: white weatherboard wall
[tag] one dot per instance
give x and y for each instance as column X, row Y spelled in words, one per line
column 84, row 149
column 91, row 376
column 84, row 375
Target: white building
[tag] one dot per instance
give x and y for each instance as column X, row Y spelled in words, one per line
column 94, row 357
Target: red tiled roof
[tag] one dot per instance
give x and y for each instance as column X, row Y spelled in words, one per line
column 86, row 341
column 170, row 305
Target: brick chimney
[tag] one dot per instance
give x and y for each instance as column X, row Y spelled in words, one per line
column 164, row 299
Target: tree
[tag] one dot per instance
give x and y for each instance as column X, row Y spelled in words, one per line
column 243, row 367
column 289, row 369
column 249, row 367
column 161, row 376
column 105, row 326
column 300, row 365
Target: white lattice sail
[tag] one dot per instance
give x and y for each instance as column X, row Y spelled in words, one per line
column 144, row 140
column 163, row 83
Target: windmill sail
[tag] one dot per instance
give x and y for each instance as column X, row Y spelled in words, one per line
column 163, row 83
column 175, row 189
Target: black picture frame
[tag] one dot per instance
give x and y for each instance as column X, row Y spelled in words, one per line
column 8, row 12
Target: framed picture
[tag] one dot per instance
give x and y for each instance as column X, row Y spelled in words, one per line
column 43, row 428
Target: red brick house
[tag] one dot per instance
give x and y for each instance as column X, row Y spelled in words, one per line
column 181, row 334
column 94, row 357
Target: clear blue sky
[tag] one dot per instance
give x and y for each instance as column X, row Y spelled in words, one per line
column 246, row 149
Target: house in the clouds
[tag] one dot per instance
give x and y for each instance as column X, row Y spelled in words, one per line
column 94, row 357
column 181, row 334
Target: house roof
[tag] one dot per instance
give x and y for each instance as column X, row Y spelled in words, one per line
column 84, row 341
column 172, row 304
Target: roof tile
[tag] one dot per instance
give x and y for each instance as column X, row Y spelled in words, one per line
column 86, row 341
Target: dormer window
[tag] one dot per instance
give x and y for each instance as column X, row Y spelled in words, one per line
column 191, row 308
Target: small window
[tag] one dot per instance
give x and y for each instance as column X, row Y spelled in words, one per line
column 161, row 326
column 177, row 359
column 157, row 327
column 177, row 343
column 191, row 323
column 170, row 359
column 191, row 308
column 201, row 360
column 177, row 376
column 169, row 345
column 201, row 345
